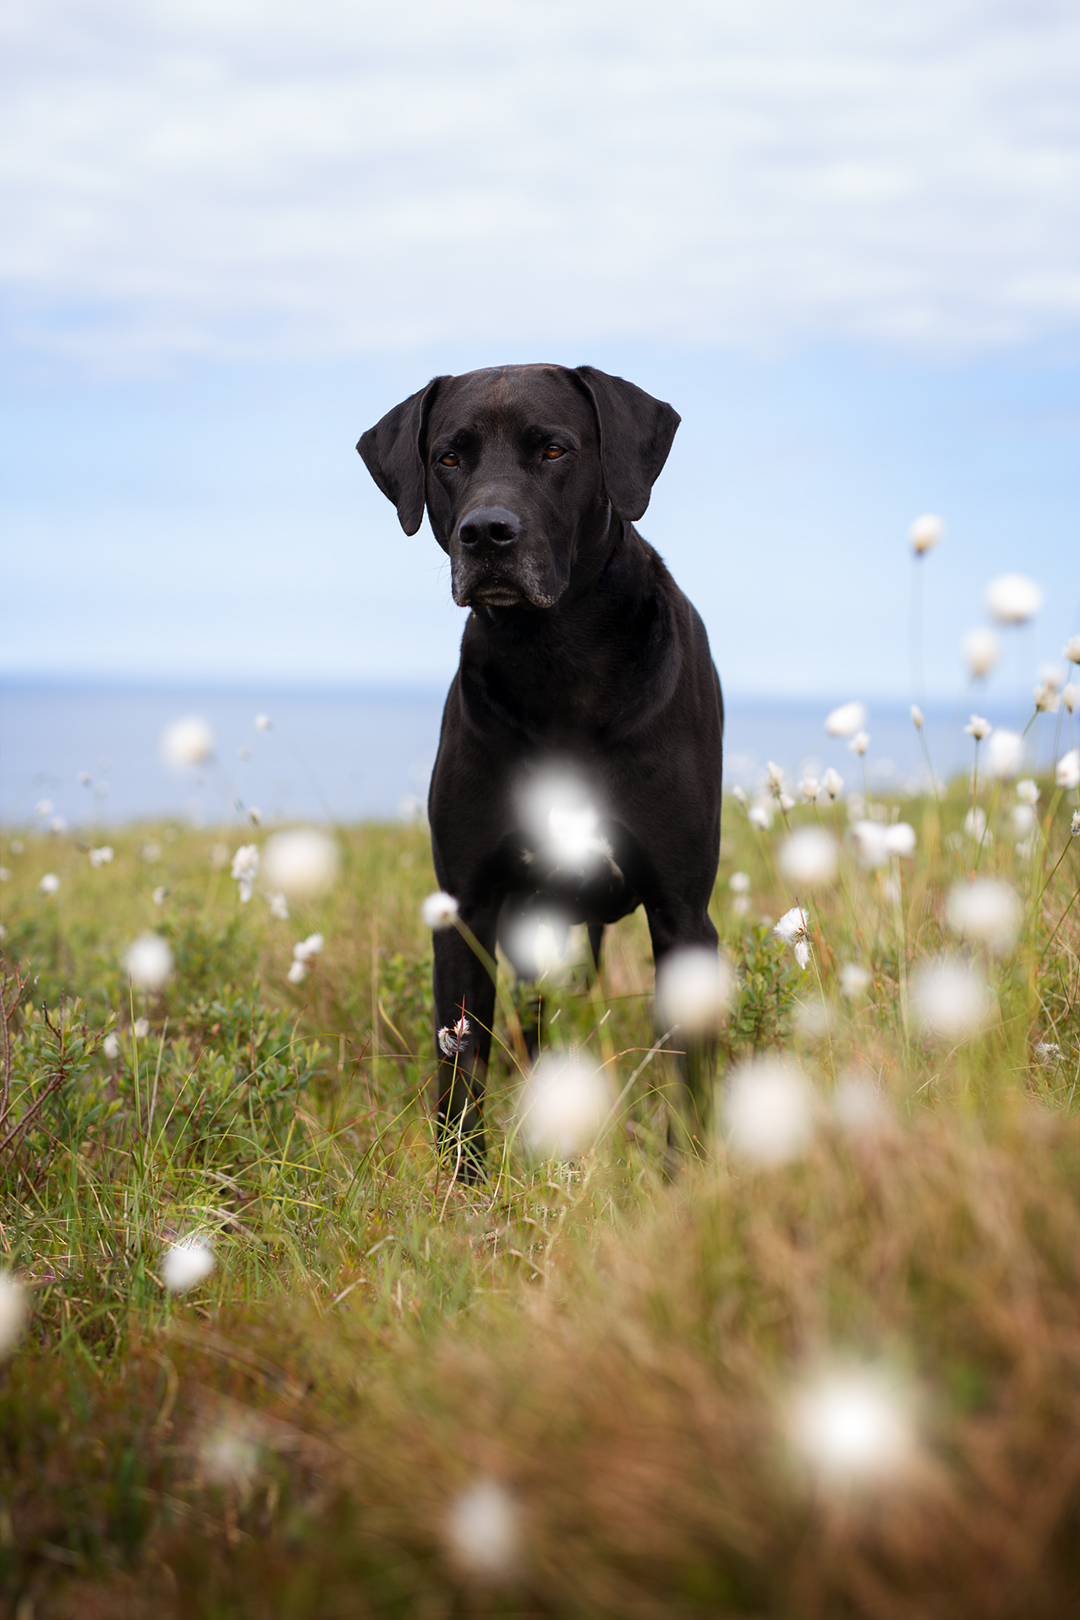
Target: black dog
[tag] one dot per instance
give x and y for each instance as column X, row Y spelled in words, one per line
column 578, row 772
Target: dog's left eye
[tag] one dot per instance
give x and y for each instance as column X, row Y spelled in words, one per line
column 450, row 459
column 552, row 452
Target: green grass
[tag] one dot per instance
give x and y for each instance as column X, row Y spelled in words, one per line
column 618, row 1351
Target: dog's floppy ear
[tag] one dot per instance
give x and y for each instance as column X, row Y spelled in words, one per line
column 393, row 456
column 635, row 436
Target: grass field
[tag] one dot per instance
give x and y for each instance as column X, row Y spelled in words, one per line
column 830, row 1369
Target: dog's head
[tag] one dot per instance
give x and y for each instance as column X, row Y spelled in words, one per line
column 520, row 468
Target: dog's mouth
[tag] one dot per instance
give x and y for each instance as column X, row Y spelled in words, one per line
column 498, row 596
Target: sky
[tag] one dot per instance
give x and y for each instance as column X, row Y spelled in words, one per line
column 840, row 238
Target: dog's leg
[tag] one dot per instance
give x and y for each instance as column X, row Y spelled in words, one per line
column 596, row 943
column 690, row 1100
column 464, row 1012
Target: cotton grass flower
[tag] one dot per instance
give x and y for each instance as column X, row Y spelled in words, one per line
column 925, row 533
column 111, row 1046
column 918, row 719
column 760, row 816
column 767, row 1112
column 860, row 743
column 978, row 727
column 808, row 859
column 562, row 1106
column 852, row 1426
column 739, row 883
column 1027, row 791
column 263, row 722
column 141, row 1028
column 13, row 1313
column 694, row 990
column 858, row 1105
column 307, row 948
column 187, row 742
column 833, row 783
column 50, row 884
column 229, row 1456
column 245, row 869
column 1013, row 598
column 302, row 863
column 1023, row 819
column 793, row 928
column 149, row 962
column 987, row 911
column 1004, row 752
column 186, row 1264
column 1071, row 650
column 1066, row 772
column 1047, row 698
column 871, row 843
column 439, row 910
column 483, row 1530
column 101, row 857
column 854, row 980
column 981, row 649
column 279, row 907
column 1074, row 829
column 951, row 997
column 975, row 824
column 1070, row 696
column 846, row 720
column 297, row 973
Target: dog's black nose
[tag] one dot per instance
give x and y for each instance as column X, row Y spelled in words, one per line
column 489, row 525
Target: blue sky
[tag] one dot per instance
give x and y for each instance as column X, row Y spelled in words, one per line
column 840, row 238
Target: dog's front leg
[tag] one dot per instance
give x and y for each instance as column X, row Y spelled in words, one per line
column 690, row 1099
column 464, row 1013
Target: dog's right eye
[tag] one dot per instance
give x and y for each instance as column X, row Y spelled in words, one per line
column 450, row 459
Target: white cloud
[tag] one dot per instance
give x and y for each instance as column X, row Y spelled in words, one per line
column 280, row 178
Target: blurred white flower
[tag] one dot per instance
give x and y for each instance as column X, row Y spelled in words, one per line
column 1013, row 598
column 5, row 874
column 768, row 1111
column 832, row 782
column 84, row 779
column 925, row 533
column 975, row 824
column 1048, row 1053
column 44, row 809
column 562, row 1106
column 185, row 1264
column 1070, row 696
column 1071, row 650
column 859, row 1106
column 1075, row 828
column 111, row 1046
column 1004, row 752
column 951, row 997
column 846, row 720
column 141, row 1028
column 187, row 742
column 978, row 728
column 1027, row 791
column 808, row 858
column 854, row 979
column 229, row 1455
column 279, row 907
column 150, row 851
column 219, row 856
column 760, row 815
column 981, row 649
column 853, row 1424
column 738, row 794
column 245, row 867
column 987, row 911
column 307, row 948
column 871, row 843
column 452, row 1036
column 1050, row 675
column 255, row 816
column 13, row 1312
column 57, row 825
column 740, row 905
column 900, row 839
column 774, row 776
column 1023, row 819
column 917, row 717
column 739, row 883
column 809, row 788
column 297, row 973
column 102, row 856
column 860, row 742
column 439, row 910
column 158, row 895
column 694, row 989
column 50, row 883
column 149, row 962
column 1066, row 772
column 302, row 863
column 483, row 1530
column 262, row 722
column 1047, row 700
column 785, row 801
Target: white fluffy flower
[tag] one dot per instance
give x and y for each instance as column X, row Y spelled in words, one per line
column 483, row 1530
column 1066, row 772
column 768, row 1111
column 562, row 1106
column 808, row 857
column 307, row 948
column 694, row 990
column 975, row 824
column 809, row 789
column 102, row 856
column 44, row 809
column 739, row 883
column 1013, row 598
column 832, row 782
column 1027, row 791
column 918, row 719
column 279, row 907
column 13, row 1312
column 760, row 816
column 186, row 1264
column 245, row 867
column 738, row 794
column 859, row 1106
column 229, row 1455
column 987, row 911
column 50, row 883
column 149, row 962
column 978, row 727
column 1004, row 752
column 982, row 650
column 187, row 742
column 951, row 997
column 854, row 979
column 302, row 863
column 111, row 1046
column 262, row 722
column 846, row 720
column 1047, row 699
column 1071, row 650
column 141, row 1028
column 297, row 973
column 871, row 843
column 439, row 910
column 793, row 928
column 1023, row 819
column 860, row 743
column 452, row 1036
column 852, row 1424
column 774, row 777
column 1070, row 696
column 925, row 533
column 1075, row 827
column 159, row 895
column 900, row 839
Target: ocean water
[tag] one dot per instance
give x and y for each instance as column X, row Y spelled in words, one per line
column 362, row 754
